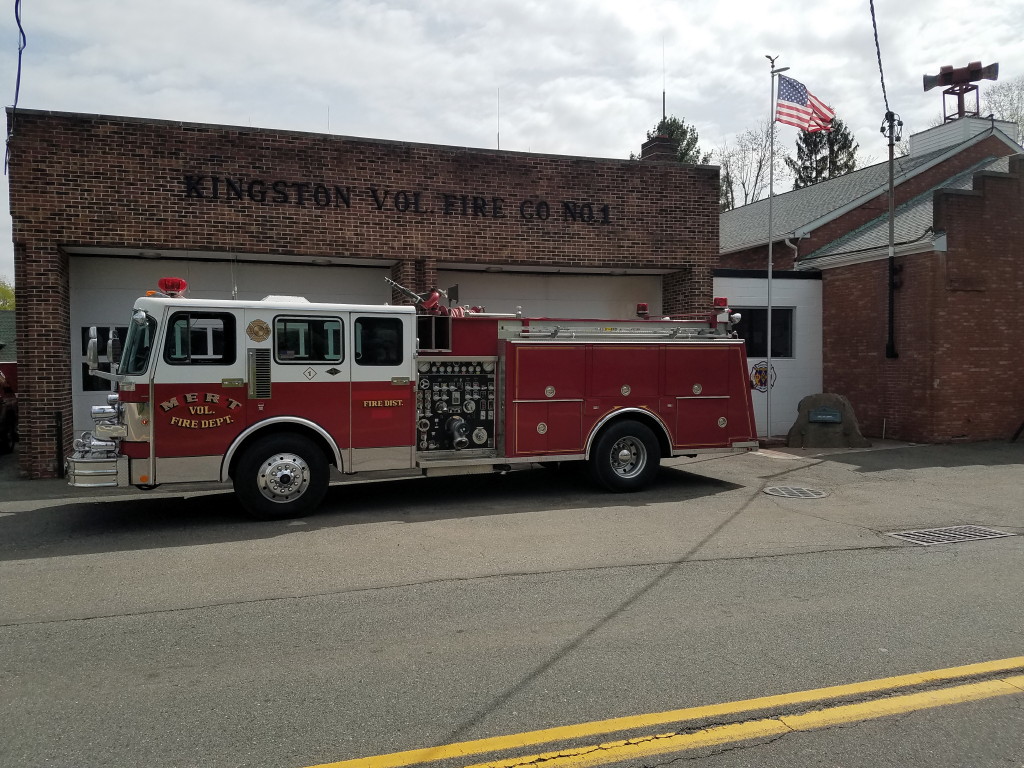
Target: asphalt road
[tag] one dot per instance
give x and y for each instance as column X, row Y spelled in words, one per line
column 164, row 629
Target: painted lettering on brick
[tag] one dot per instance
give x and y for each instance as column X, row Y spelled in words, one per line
column 319, row 194
column 475, row 206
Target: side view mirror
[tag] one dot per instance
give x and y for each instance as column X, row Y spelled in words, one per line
column 92, row 354
column 113, row 350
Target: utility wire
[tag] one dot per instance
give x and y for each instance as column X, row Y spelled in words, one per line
column 22, row 42
column 878, row 52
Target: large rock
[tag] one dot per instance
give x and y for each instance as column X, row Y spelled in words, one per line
column 826, row 421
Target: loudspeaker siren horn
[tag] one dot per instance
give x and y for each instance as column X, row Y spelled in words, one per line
column 973, row 72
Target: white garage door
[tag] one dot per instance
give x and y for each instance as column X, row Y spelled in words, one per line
column 104, row 289
column 547, row 295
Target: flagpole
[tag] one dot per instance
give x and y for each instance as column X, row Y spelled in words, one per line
column 771, row 194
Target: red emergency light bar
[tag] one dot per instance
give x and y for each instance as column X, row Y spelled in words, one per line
column 721, row 301
column 173, row 286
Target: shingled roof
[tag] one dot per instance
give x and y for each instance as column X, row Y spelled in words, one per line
column 810, row 207
column 912, row 222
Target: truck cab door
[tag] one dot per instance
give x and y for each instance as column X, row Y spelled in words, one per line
column 383, row 391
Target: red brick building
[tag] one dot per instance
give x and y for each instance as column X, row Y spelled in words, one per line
column 102, row 206
column 959, row 259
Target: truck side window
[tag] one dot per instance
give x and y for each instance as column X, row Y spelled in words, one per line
column 308, row 340
column 378, row 341
column 200, row 338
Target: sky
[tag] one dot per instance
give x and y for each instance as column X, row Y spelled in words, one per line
column 572, row 77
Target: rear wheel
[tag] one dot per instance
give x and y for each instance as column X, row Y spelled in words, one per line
column 281, row 476
column 625, row 457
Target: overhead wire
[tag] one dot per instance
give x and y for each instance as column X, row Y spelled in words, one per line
column 878, row 53
column 22, row 43
column 881, row 75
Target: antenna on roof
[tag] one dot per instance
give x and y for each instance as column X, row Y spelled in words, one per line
column 663, row 115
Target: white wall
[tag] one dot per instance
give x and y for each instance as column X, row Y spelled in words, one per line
column 795, row 377
column 549, row 295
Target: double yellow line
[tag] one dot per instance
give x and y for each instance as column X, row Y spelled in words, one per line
column 661, row 743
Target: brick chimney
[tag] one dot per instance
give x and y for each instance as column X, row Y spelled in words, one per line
column 658, row 149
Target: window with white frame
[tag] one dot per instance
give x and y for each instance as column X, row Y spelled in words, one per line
column 200, row 338
column 308, row 340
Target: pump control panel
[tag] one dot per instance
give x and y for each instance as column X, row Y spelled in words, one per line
column 455, row 404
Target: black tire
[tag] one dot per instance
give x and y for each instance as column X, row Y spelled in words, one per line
column 281, row 476
column 625, row 457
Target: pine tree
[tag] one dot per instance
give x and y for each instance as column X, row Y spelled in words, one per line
column 823, row 155
column 685, row 138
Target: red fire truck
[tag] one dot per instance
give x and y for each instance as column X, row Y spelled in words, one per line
column 271, row 395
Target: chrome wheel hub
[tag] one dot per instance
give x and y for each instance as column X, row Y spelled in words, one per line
column 283, row 477
column 629, row 457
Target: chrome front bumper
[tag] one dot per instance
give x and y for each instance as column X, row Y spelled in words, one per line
column 96, row 472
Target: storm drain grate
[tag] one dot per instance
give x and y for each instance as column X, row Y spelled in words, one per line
column 950, row 535
column 795, row 493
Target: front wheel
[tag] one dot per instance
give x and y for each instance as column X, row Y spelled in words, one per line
column 281, row 476
column 625, row 457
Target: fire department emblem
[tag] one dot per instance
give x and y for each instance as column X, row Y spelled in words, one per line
column 258, row 331
column 759, row 378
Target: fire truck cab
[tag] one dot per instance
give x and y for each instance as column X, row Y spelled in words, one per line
column 275, row 395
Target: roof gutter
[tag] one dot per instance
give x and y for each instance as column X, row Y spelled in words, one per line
column 938, row 243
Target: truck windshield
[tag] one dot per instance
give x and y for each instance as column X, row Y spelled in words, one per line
column 138, row 345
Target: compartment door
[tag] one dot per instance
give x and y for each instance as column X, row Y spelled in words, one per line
column 383, row 391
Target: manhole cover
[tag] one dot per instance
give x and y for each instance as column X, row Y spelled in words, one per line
column 795, row 493
column 950, row 535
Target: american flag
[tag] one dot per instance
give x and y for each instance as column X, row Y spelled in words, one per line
column 799, row 107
